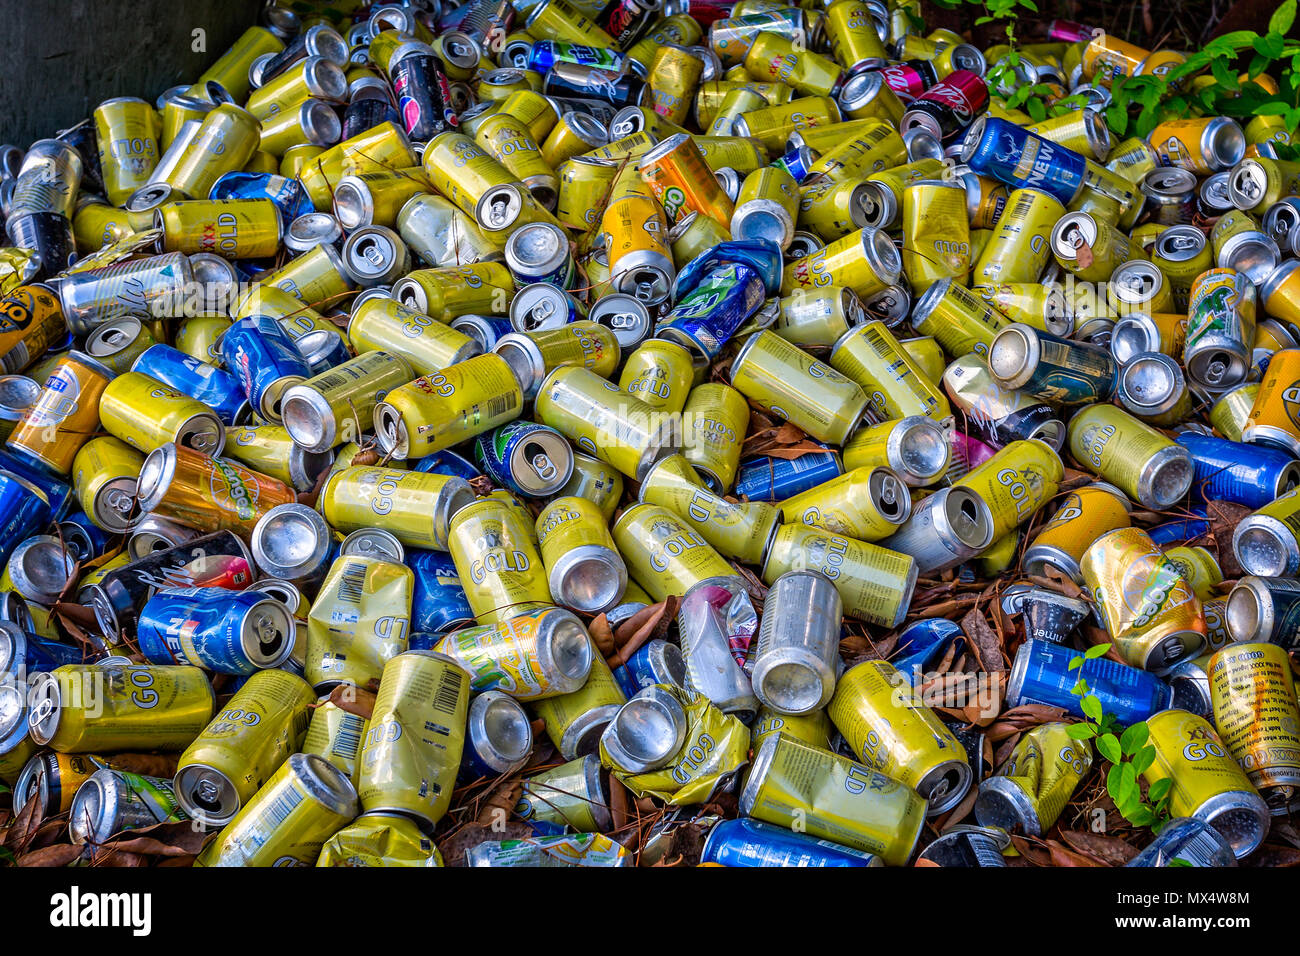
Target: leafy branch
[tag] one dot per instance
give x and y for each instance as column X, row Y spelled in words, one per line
column 1128, row 753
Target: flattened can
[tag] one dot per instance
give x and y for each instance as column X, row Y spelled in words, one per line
column 1253, row 696
column 1207, row 783
column 790, row 383
column 875, row 583
column 262, row 724
column 415, row 738
column 583, row 567
column 498, row 561
column 1030, row 791
column 361, row 618
column 1149, row 610
column 892, row 731
column 833, row 798
column 289, row 819
column 90, row 708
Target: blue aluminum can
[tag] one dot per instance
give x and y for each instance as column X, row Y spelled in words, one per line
column 448, row 463
column 1189, row 841
column 655, row 662
column 776, row 479
column 83, row 538
column 1011, row 154
column 24, row 510
column 1184, row 529
column 798, row 162
column 922, row 645
column 438, row 602
column 288, row 194
column 261, row 353
column 487, row 330
column 230, row 632
column 214, row 387
column 527, row 458
column 746, row 842
column 1249, row 474
column 707, row 316
column 546, row 53
column 23, row 653
column 58, row 493
column 1041, row 674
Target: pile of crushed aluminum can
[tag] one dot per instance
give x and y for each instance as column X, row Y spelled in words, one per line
column 608, row 434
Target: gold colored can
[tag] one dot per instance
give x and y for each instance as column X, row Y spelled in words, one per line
column 585, row 183
column 438, row 411
column 1198, row 568
column 315, row 278
column 1030, row 303
column 875, row 147
column 338, row 405
column 381, row 147
column 771, row 125
column 415, row 506
column 1205, row 782
column 1032, row 789
column 245, row 743
column 1253, row 696
column 415, row 737
column 583, row 567
column 1150, row 611
column 97, row 224
column 31, row 320
column 712, row 94
column 575, row 721
column 714, row 423
column 540, row 653
column 674, row 76
column 734, row 104
column 270, row 450
column 813, row 729
column 335, row 734
column 97, row 708
column 573, row 794
column 498, row 561
column 126, row 133
column 1020, row 247
column 875, row 584
column 854, row 42
column 481, row 288
column 791, row 783
column 774, row 58
column 1016, row 482
column 510, row 142
column 659, row 373
column 864, row 261
column 231, row 68
column 605, row 421
column 664, row 554
column 1131, row 455
column 225, row 142
column 1082, row 517
column 1107, row 57
column 891, row 730
column 147, row 414
column 936, row 234
column 788, row 381
column 380, row 840
column 867, row 504
column 384, row 325
column 529, row 105
column 895, row 385
column 740, row 531
column 1230, row 413
column 597, row 482
column 104, row 476
column 289, row 819
column 230, row 228
column 957, row 318
column 561, row 20
column 359, row 620
column 66, row 414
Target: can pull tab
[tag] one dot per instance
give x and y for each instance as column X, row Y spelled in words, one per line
column 544, row 467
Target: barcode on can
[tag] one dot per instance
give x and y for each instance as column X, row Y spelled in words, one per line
column 348, row 739
column 352, row 583
column 447, row 696
column 271, row 817
column 499, row 405
column 877, row 342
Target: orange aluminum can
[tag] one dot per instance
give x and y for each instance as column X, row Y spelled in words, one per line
column 681, row 180
column 65, row 416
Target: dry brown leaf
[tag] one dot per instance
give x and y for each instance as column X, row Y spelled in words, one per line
column 500, row 801
column 645, row 625
column 19, row 833
column 1106, row 849
column 60, row 854
column 602, row 635
column 354, row 700
column 1064, row 856
column 1022, row 718
column 985, row 642
column 1032, row 850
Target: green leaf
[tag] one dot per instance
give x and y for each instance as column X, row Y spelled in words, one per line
column 1113, row 781
column 1080, row 687
column 1283, row 17
column 1109, row 748
column 1133, row 738
column 1117, row 118
column 1160, row 789
column 1230, row 42
column 1127, row 793
column 1081, row 731
column 1225, row 77
column 1030, row 4
column 1144, row 759
column 1076, row 662
column 1275, row 108
column 1096, row 651
column 1139, row 815
column 1091, row 707
column 1037, row 111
